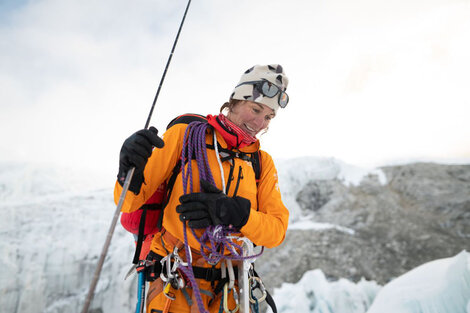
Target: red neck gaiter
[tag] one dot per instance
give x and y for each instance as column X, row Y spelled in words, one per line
column 233, row 135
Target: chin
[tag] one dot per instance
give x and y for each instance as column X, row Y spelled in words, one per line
column 251, row 133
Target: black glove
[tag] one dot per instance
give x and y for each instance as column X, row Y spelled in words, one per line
column 135, row 152
column 212, row 207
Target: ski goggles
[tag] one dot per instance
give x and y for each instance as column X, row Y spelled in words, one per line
column 270, row 90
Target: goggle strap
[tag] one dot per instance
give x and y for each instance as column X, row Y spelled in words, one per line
column 258, row 84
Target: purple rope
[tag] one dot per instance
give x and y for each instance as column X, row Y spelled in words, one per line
column 187, row 175
column 194, row 144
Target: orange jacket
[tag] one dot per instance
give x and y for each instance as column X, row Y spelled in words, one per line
column 267, row 223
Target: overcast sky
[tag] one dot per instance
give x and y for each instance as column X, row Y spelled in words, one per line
column 371, row 81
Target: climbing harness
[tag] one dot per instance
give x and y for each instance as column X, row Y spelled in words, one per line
column 127, row 181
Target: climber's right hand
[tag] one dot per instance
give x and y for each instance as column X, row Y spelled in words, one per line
column 135, row 152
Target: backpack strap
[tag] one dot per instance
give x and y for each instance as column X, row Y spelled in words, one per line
column 256, row 162
column 186, row 119
column 169, row 189
column 141, row 236
column 254, row 158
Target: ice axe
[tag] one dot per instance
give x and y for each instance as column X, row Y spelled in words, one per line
column 125, row 188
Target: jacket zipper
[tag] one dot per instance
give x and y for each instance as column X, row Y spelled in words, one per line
column 240, row 177
column 230, row 176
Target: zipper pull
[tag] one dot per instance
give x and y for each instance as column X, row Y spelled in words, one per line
column 240, row 177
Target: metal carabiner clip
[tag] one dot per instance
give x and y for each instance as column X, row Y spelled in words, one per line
column 177, row 257
column 167, row 274
column 235, row 296
column 256, row 283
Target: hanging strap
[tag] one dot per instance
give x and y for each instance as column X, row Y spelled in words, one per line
column 141, row 236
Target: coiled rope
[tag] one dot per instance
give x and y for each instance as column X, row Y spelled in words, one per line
column 215, row 239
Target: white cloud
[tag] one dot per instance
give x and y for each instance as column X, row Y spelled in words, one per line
column 369, row 80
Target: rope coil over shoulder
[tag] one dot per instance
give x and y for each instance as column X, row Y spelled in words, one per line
column 215, row 239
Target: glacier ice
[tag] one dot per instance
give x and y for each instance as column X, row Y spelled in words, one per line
column 315, row 294
column 53, row 223
column 440, row 286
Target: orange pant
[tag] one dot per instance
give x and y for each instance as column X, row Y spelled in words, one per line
column 156, row 299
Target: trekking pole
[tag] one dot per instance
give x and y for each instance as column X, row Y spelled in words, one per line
column 127, row 182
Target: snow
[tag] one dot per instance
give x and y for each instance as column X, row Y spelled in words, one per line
column 53, row 223
column 436, row 287
column 29, row 183
column 305, row 224
column 315, row 294
column 440, row 286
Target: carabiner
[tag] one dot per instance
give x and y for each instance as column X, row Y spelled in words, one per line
column 178, row 259
column 166, row 275
column 177, row 282
column 256, row 283
column 235, row 296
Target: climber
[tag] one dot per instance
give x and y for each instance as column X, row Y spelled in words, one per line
column 228, row 193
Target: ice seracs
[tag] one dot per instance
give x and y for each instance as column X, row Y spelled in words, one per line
column 440, row 286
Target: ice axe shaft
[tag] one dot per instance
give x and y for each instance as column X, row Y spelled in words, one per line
column 104, row 251
column 127, row 182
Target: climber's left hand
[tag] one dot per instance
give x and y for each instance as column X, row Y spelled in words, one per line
column 213, row 207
